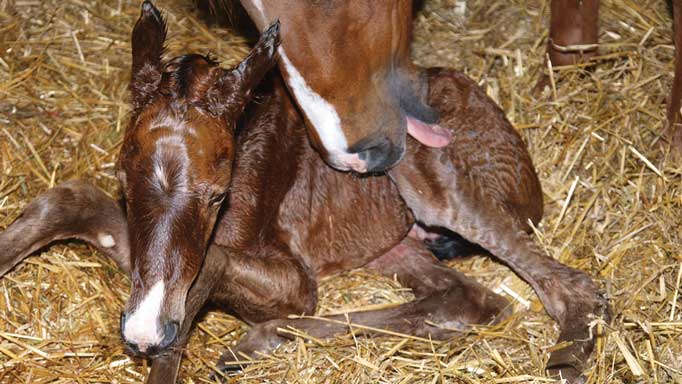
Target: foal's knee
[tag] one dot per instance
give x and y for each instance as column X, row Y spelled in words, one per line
column 303, row 295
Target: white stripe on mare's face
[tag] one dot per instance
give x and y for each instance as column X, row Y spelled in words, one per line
column 319, row 112
column 142, row 327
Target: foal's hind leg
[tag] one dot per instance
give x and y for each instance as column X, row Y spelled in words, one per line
column 446, row 302
column 74, row 209
column 483, row 186
column 415, row 267
column 474, row 212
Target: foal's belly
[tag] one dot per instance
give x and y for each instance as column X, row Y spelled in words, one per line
column 339, row 221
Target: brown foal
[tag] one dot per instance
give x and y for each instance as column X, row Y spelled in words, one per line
column 248, row 216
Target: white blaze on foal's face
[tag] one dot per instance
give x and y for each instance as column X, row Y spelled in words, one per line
column 142, row 326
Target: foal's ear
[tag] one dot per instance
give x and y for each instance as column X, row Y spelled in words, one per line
column 232, row 90
column 148, row 37
column 259, row 61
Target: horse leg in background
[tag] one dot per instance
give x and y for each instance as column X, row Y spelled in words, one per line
column 573, row 34
column 573, row 31
column 73, row 209
column 446, row 302
column 483, row 187
column 674, row 125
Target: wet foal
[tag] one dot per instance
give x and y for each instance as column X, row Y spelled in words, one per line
column 249, row 217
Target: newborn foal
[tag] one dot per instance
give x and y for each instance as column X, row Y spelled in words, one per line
column 248, row 216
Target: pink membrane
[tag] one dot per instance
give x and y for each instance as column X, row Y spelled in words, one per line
column 431, row 135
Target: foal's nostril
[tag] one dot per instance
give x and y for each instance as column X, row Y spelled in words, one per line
column 170, row 333
column 133, row 348
column 122, row 324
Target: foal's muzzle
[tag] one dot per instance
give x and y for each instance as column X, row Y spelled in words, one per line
column 169, row 335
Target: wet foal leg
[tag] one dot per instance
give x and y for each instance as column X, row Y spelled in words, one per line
column 569, row 295
column 260, row 285
column 483, row 187
column 446, row 302
column 415, row 267
column 78, row 209
column 468, row 302
column 74, row 209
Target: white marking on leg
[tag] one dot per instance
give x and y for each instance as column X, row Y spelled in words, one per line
column 319, row 112
column 106, row 240
column 142, row 327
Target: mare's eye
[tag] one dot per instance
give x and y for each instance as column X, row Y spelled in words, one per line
column 217, row 199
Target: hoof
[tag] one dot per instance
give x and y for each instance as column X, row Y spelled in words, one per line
column 262, row 338
column 568, row 363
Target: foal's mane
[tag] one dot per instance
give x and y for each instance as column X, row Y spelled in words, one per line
column 187, row 78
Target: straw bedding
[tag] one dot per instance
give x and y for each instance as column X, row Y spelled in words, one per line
column 613, row 198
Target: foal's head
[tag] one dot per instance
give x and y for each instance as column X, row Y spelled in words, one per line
column 175, row 167
column 348, row 65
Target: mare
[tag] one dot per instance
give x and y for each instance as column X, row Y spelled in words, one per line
column 347, row 64
column 247, row 216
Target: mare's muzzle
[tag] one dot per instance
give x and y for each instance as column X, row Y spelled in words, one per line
column 379, row 154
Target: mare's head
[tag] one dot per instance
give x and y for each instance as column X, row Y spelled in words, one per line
column 347, row 63
column 175, row 169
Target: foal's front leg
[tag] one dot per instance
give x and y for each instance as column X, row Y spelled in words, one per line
column 446, row 302
column 260, row 285
column 73, row 209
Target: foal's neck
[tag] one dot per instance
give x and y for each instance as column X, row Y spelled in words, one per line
column 271, row 148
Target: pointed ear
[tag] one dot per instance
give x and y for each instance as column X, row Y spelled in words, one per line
column 148, row 38
column 233, row 89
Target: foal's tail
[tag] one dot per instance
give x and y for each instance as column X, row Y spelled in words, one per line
column 74, row 209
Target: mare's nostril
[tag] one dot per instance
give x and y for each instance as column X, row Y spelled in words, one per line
column 382, row 156
column 170, row 333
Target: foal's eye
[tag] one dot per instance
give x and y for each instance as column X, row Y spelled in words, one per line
column 217, row 199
